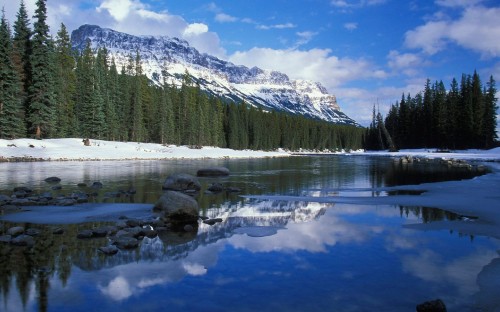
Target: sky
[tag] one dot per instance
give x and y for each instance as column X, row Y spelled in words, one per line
column 365, row 52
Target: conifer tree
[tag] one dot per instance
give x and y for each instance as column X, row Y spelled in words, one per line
column 65, row 85
column 113, row 105
column 89, row 102
column 11, row 122
column 452, row 106
column 137, row 133
column 466, row 113
column 165, row 118
column 41, row 108
column 22, row 51
column 441, row 116
column 488, row 133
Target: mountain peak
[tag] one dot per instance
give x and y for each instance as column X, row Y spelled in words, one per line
column 168, row 59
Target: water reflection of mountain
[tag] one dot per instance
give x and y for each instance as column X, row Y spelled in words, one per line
column 172, row 246
column 54, row 255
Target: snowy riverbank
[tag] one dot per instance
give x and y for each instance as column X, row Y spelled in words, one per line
column 74, row 149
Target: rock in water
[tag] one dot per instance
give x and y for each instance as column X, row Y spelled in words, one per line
column 23, row 240
column 125, row 242
column 53, row 180
column 85, row 234
column 213, row 172
column 177, row 207
column 216, row 188
column 108, row 250
column 15, row 231
column 181, row 182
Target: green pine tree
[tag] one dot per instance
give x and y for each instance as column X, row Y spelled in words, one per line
column 488, row 133
column 11, row 113
column 65, row 85
column 22, row 51
column 41, row 110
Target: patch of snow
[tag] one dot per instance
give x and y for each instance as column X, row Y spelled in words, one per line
column 74, row 149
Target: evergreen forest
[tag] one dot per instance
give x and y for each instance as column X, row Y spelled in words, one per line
column 48, row 90
column 464, row 116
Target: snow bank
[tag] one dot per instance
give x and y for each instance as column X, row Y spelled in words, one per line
column 473, row 154
column 74, row 149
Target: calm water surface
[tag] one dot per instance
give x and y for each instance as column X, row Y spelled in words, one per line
column 265, row 255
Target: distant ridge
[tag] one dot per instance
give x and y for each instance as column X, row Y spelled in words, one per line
column 170, row 58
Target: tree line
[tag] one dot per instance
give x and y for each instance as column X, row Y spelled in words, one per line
column 48, row 90
column 464, row 116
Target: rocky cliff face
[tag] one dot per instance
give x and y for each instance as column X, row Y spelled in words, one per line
column 168, row 59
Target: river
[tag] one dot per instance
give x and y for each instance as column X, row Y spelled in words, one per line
column 266, row 255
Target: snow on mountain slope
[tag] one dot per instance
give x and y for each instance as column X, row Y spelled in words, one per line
column 170, row 58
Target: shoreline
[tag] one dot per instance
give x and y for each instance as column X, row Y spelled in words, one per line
column 73, row 149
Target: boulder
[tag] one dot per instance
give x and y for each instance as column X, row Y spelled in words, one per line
column 133, row 222
column 216, row 188
column 124, row 232
column 177, row 207
column 181, row 182
column 5, row 239
column 85, row 234
column 432, row 306
column 136, row 232
column 15, row 231
column 232, row 189
column 23, row 188
column 126, row 242
column 53, row 180
column 97, row 185
column 212, row 221
column 65, row 202
column 32, row 232
column 23, row 240
column 108, row 250
column 213, row 172
column 9, row 208
column 100, row 232
column 22, row 202
column 58, row 231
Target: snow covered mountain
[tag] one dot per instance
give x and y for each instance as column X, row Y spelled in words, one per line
column 170, row 58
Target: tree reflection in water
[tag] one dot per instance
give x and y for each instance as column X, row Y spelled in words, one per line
column 54, row 256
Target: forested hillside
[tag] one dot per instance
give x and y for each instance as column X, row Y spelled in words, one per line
column 465, row 116
column 49, row 91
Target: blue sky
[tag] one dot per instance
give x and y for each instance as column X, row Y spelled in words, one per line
column 362, row 51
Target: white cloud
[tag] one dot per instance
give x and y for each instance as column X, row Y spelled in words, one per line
column 407, row 63
column 276, row 26
column 195, row 29
column 458, row 3
column 194, row 269
column 334, row 73
column 315, row 64
column 225, row 18
column 331, row 71
column 478, row 29
column 118, row 289
column 356, row 3
column 305, row 37
column 134, row 17
column 119, row 9
column 351, row 26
